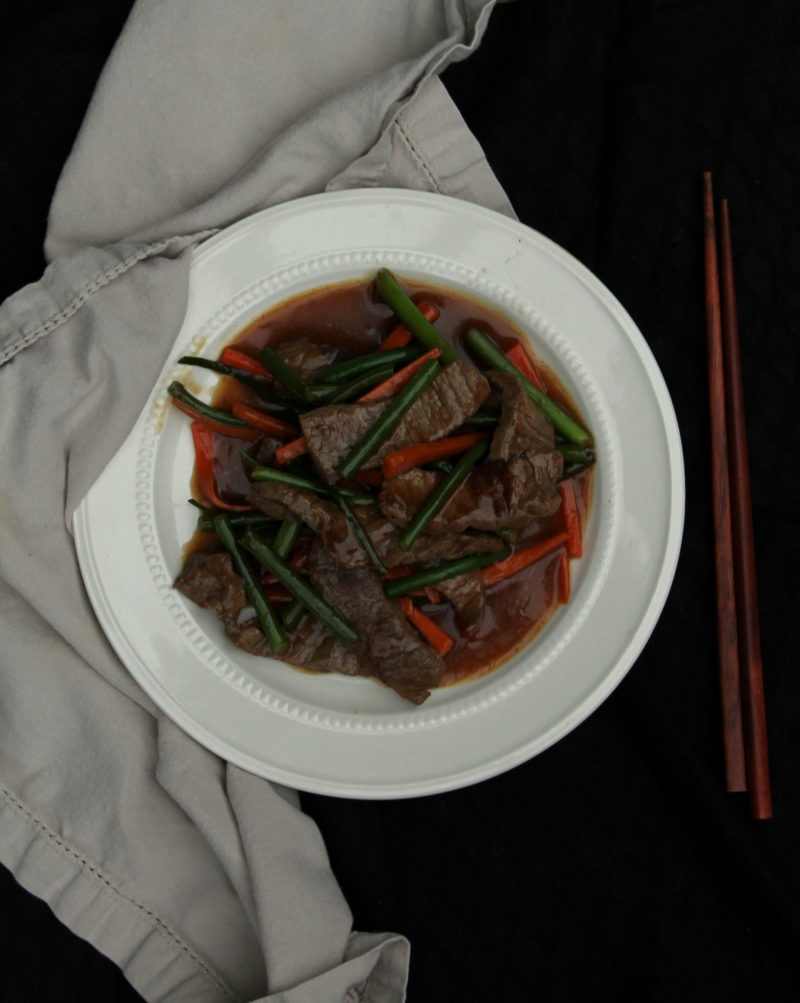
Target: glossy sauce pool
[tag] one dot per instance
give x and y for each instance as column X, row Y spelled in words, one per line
column 350, row 316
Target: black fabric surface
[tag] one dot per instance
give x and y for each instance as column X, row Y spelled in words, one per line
column 614, row 865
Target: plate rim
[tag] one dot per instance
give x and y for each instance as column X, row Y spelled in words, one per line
column 636, row 641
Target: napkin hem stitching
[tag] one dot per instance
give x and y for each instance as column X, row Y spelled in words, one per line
column 160, row 925
column 98, row 282
column 94, row 285
column 419, row 159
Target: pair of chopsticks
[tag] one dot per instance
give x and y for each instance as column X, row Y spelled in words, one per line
column 741, row 682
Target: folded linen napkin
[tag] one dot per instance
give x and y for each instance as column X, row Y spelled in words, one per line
column 201, row 881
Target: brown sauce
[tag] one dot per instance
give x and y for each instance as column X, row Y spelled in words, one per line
column 349, row 315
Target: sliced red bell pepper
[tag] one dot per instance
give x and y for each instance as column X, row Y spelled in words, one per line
column 572, row 518
column 563, row 577
column 290, row 451
column 439, row 639
column 425, row 452
column 266, row 422
column 512, row 565
column 399, row 379
column 401, row 335
column 520, row 358
column 241, row 360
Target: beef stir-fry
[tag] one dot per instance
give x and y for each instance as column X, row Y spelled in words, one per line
column 389, row 487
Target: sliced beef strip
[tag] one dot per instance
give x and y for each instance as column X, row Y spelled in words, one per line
column 284, row 501
column 467, row 595
column 332, row 431
column 523, row 426
column 313, row 646
column 307, row 358
column 388, row 646
column 426, row 549
column 210, row 580
column 455, row 395
column 495, row 495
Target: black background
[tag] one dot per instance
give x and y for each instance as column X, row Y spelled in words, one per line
column 614, row 864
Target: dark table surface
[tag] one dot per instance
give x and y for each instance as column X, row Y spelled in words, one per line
column 614, row 864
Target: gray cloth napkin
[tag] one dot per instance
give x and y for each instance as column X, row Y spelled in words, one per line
column 201, row 881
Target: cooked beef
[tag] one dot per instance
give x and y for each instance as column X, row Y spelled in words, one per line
column 266, row 450
column 468, row 596
column 313, row 646
column 332, row 431
column 388, row 646
column 306, row 357
column 523, row 426
column 209, row 580
column 425, row 549
column 456, row 394
column 284, row 501
column 496, row 495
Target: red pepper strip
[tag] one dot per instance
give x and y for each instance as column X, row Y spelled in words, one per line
column 266, row 422
column 563, row 577
column 241, row 360
column 372, row 478
column 572, row 518
column 432, row 632
column 204, row 440
column 425, row 452
column 401, row 335
column 518, row 357
column 399, row 379
column 290, row 451
column 217, row 426
column 295, row 448
column 495, row 573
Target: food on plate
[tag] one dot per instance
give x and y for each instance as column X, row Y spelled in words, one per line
column 389, row 485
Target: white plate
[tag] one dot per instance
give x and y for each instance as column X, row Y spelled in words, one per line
column 351, row 737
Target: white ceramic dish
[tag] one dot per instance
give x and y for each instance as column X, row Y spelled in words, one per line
column 351, row 737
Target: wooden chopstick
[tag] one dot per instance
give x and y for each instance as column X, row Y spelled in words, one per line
column 751, row 675
column 727, row 633
column 740, row 670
